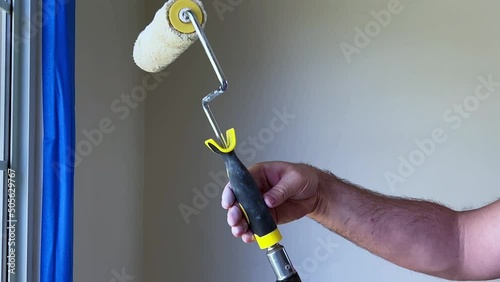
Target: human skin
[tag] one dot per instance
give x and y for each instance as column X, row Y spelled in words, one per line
column 419, row 235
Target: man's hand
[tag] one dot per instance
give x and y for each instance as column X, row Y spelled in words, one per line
column 291, row 191
column 418, row 235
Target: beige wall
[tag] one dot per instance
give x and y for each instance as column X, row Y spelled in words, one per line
column 109, row 174
column 355, row 118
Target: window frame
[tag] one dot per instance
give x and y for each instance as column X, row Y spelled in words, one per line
column 6, row 9
column 23, row 144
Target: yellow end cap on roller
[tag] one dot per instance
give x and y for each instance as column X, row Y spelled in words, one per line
column 175, row 9
column 230, row 139
column 269, row 240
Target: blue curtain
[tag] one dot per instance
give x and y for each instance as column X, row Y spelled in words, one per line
column 58, row 78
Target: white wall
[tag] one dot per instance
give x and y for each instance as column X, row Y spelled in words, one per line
column 352, row 118
column 109, row 181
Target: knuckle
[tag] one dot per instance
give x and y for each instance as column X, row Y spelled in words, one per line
column 295, row 173
column 281, row 191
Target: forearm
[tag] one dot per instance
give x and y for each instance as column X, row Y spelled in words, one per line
column 417, row 235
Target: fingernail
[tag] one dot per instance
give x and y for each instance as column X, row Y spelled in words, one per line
column 270, row 199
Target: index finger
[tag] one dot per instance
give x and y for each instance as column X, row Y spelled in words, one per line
column 268, row 174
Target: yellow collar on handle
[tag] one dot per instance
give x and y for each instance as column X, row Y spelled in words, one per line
column 231, row 143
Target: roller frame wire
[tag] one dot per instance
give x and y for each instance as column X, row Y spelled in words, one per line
column 188, row 14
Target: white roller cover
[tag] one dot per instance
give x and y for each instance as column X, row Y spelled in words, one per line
column 159, row 44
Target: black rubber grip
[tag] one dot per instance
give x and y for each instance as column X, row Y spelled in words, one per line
column 294, row 278
column 248, row 195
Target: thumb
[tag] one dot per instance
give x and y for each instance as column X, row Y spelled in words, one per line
column 287, row 187
column 276, row 196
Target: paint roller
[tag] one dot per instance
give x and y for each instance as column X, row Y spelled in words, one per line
column 174, row 28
